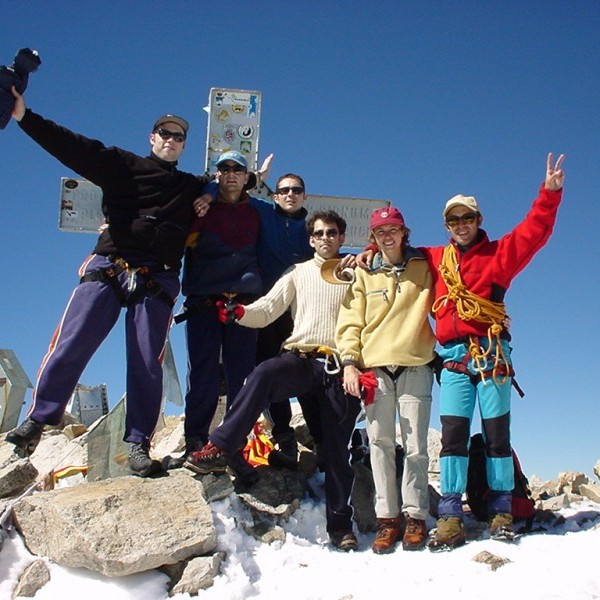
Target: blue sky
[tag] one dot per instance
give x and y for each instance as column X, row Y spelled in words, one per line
column 411, row 102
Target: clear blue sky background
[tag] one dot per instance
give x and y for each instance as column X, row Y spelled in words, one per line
column 409, row 101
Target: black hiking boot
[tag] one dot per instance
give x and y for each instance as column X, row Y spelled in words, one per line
column 345, row 541
column 140, row 462
column 286, row 456
column 176, row 462
column 26, row 437
column 243, row 471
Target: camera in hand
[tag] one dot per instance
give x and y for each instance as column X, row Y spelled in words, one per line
column 26, row 61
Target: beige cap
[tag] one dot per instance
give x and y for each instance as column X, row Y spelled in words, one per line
column 460, row 200
column 330, row 272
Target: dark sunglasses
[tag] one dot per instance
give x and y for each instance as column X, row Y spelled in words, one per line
column 231, row 168
column 284, row 191
column 165, row 134
column 467, row 219
column 330, row 233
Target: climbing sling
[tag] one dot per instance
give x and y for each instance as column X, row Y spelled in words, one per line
column 471, row 307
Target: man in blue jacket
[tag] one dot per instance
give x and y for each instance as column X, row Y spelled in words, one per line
column 283, row 242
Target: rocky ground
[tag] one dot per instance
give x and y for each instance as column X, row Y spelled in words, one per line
column 75, row 503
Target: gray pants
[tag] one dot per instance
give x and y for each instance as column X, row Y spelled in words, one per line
column 409, row 397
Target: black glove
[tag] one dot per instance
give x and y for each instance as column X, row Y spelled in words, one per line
column 26, row 61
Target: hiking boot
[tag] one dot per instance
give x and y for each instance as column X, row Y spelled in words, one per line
column 344, row 540
column 501, row 527
column 450, row 534
column 140, row 462
column 208, row 460
column 243, row 471
column 176, row 462
column 26, row 437
column 388, row 532
column 287, row 454
column 415, row 534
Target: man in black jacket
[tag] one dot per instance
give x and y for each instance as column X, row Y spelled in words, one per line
column 148, row 204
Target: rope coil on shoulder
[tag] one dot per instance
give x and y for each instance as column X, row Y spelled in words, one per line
column 471, row 307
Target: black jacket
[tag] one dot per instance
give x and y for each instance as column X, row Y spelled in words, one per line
column 147, row 201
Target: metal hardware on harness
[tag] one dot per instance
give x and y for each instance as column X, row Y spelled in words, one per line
column 136, row 290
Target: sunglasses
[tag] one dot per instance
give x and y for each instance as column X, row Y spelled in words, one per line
column 231, row 168
column 330, row 233
column 284, row 191
column 165, row 134
column 467, row 219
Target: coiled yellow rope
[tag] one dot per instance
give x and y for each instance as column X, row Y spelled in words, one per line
column 471, row 307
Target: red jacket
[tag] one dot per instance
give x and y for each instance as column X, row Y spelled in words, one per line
column 488, row 268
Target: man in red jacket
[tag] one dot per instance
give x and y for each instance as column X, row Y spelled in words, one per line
column 471, row 277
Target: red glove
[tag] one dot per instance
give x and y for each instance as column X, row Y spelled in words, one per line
column 368, row 385
column 229, row 312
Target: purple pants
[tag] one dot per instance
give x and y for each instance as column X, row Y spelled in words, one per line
column 91, row 313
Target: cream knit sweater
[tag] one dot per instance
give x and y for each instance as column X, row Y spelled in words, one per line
column 314, row 303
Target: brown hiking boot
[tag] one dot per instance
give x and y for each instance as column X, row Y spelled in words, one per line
column 450, row 534
column 208, row 460
column 501, row 527
column 387, row 535
column 415, row 534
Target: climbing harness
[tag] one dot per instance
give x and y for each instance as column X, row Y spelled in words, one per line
column 136, row 289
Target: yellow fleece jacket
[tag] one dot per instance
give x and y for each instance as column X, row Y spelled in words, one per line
column 384, row 318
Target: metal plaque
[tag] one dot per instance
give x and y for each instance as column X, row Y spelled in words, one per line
column 80, row 206
column 233, row 124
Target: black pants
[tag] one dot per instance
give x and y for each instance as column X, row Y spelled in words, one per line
column 270, row 340
column 283, row 377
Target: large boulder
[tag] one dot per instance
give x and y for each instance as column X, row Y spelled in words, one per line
column 119, row 526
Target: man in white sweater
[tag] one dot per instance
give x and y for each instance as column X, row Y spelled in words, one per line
column 307, row 364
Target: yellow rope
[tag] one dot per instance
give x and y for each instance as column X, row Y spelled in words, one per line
column 471, row 307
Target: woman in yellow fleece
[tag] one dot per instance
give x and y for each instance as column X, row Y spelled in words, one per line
column 383, row 326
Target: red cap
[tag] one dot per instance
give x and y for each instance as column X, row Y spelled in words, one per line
column 389, row 215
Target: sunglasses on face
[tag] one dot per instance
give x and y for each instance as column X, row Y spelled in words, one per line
column 231, row 169
column 284, row 191
column 165, row 134
column 466, row 219
column 330, row 233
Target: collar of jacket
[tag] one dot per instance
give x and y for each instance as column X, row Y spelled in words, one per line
column 409, row 253
column 170, row 166
column 297, row 216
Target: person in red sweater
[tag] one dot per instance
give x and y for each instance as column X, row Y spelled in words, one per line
column 471, row 277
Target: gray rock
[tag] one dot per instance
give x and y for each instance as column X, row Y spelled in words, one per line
column 198, row 574
column 34, row 578
column 494, row 561
column 570, row 481
column 16, row 474
column 119, row 526
column 597, row 469
column 590, row 491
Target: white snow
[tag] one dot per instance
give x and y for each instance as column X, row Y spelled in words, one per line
column 559, row 563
